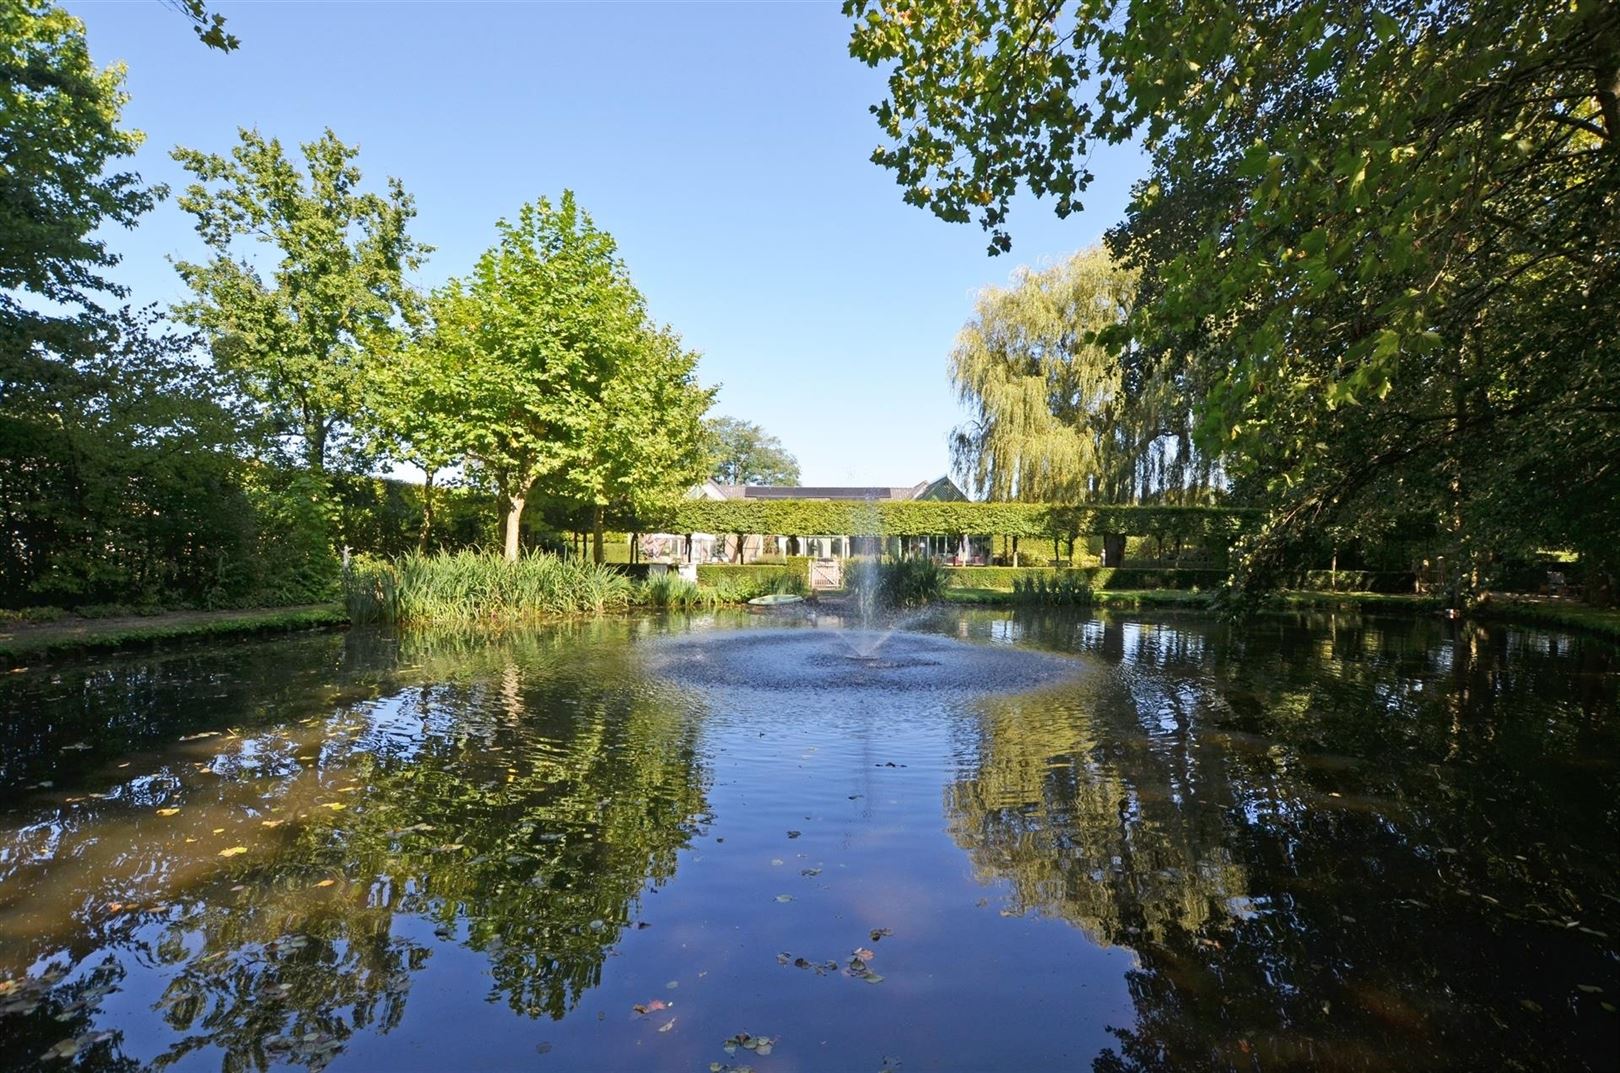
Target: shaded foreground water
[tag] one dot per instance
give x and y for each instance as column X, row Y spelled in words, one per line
column 1006, row 841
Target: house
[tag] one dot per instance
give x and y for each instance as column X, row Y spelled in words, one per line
column 726, row 547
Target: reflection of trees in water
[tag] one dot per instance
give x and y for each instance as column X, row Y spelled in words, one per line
column 1362, row 845
column 517, row 805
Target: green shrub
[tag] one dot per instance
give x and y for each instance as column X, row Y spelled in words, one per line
column 475, row 586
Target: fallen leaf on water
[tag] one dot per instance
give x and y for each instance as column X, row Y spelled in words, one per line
column 864, row 954
column 271, row 823
column 784, row 897
column 167, row 811
column 878, row 933
column 870, row 977
column 672, row 985
column 335, row 806
column 810, row 872
column 219, row 830
column 793, row 834
column 667, row 1025
column 233, row 851
column 326, row 883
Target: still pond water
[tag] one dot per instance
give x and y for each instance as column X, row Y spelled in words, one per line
column 991, row 841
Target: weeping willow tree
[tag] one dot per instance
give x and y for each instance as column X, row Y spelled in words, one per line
column 1061, row 409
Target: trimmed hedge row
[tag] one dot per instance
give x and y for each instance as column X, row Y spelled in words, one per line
column 1099, row 577
column 924, row 518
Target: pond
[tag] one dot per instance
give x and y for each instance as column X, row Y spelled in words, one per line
column 987, row 841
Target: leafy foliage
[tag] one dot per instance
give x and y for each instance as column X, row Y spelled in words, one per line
column 1060, row 410
column 209, row 26
column 528, row 344
column 302, row 342
column 909, row 582
column 744, row 453
column 59, row 135
column 924, row 518
column 1377, row 245
column 120, row 481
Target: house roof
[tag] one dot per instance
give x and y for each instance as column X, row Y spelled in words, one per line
column 943, row 488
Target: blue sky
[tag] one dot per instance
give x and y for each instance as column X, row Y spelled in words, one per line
column 725, row 145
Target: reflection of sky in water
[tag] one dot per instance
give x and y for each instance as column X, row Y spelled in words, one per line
column 1152, row 843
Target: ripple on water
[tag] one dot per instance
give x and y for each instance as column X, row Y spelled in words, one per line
column 849, row 659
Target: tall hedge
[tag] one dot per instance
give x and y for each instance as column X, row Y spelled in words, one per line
column 925, row 518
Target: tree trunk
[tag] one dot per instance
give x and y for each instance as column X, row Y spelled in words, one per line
column 514, row 514
column 1113, row 549
column 1015, row 551
column 597, row 523
column 316, row 432
column 427, row 514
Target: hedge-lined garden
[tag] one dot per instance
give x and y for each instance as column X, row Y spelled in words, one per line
column 926, row 518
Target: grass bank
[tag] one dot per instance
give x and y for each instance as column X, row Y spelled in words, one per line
column 1121, row 599
column 1545, row 611
column 23, row 642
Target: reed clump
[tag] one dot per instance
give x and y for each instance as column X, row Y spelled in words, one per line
column 480, row 587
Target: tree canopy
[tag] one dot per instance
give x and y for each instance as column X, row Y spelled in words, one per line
column 60, row 140
column 1377, row 245
column 303, row 337
column 744, row 453
column 551, row 369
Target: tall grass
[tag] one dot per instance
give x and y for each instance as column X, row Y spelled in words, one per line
column 476, row 586
column 1068, row 589
column 671, row 592
column 895, row 582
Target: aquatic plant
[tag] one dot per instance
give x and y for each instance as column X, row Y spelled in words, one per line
column 1066, row 589
column 896, row 582
column 477, row 586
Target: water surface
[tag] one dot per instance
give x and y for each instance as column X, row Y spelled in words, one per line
column 991, row 841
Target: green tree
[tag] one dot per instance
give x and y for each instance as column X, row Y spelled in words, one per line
column 59, row 133
column 530, row 342
column 120, row 480
column 744, row 453
column 302, row 342
column 647, row 446
column 1045, row 397
column 410, row 416
column 1377, row 244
